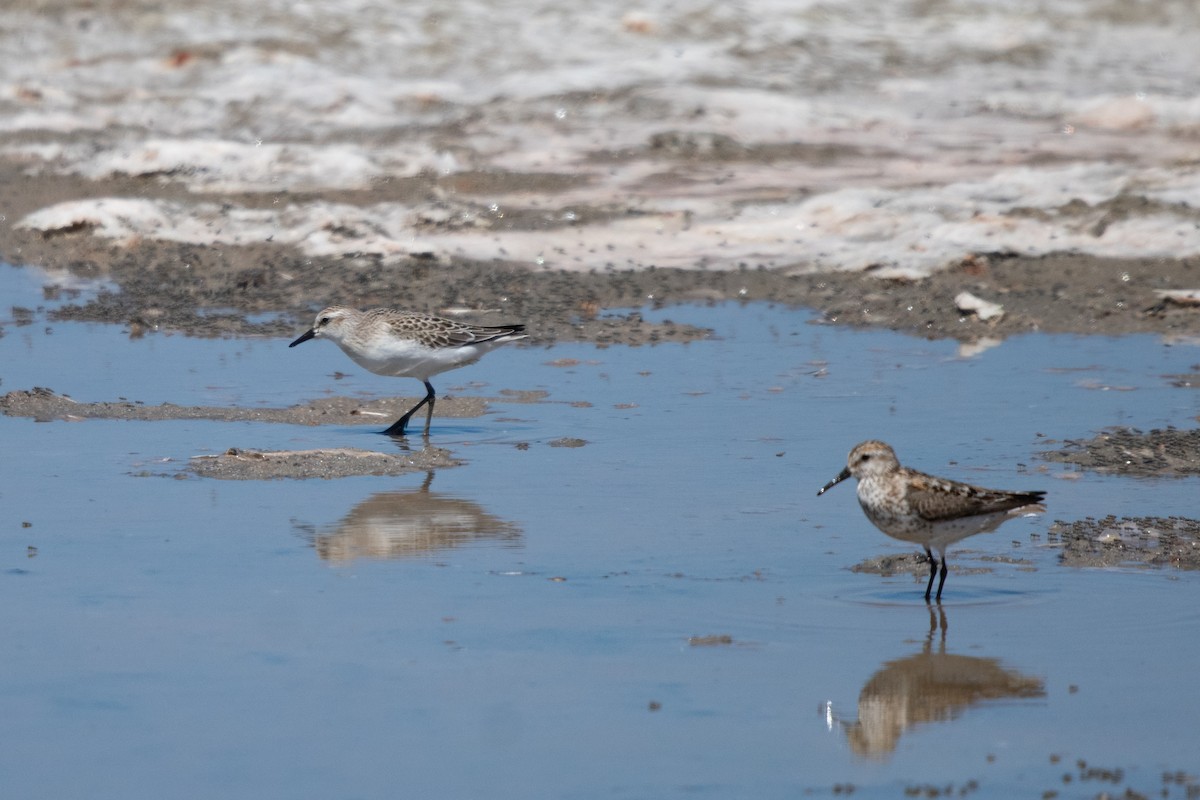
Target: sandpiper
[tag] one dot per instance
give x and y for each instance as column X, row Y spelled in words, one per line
column 930, row 511
column 407, row 344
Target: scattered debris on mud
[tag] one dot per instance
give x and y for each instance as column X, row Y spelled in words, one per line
column 1129, row 541
column 914, row 564
column 1129, row 451
column 568, row 441
column 894, row 564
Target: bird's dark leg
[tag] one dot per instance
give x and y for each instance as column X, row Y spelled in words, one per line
column 430, row 397
column 932, row 572
column 399, row 426
column 941, row 582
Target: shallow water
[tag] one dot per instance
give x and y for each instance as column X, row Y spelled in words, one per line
column 527, row 633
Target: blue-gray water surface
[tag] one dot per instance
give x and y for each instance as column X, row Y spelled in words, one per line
column 522, row 625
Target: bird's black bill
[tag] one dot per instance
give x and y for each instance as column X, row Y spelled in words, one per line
column 840, row 477
column 304, row 337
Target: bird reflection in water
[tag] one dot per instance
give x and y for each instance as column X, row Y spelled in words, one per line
column 929, row 687
column 411, row 523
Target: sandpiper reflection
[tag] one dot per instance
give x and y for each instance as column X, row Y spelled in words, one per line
column 410, row 523
column 927, row 687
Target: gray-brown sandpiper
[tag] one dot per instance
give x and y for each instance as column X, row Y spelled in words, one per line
column 407, row 344
column 930, row 511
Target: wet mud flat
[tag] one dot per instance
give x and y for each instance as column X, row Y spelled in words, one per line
column 228, row 290
column 46, row 405
column 1172, row 542
column 236, row 464
column 413, row 453
column 1128, row 451
column 1138, row 542
column 961, row 562
column 241, row 463
column 1113, row 541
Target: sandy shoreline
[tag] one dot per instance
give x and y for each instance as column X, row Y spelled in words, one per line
column 206, row 291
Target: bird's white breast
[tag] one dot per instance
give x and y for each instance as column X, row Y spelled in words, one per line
column 407, row 358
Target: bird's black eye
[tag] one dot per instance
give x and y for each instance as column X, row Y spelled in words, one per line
column 864, row 457
column 323, row 321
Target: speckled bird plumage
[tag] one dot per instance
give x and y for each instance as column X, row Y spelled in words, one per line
column 407, row 344
column 915, row 507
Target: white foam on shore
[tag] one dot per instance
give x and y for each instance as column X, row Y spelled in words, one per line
column 944, row 130
column 906, row 232
column 213, row 165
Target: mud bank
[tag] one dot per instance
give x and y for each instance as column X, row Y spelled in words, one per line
column 237, row 464
column 1129, row 542
column 1141, row 542
column 963, row 562
column 1128, row 451
column 270, row 289
column 46, row 405
column 241, row 463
